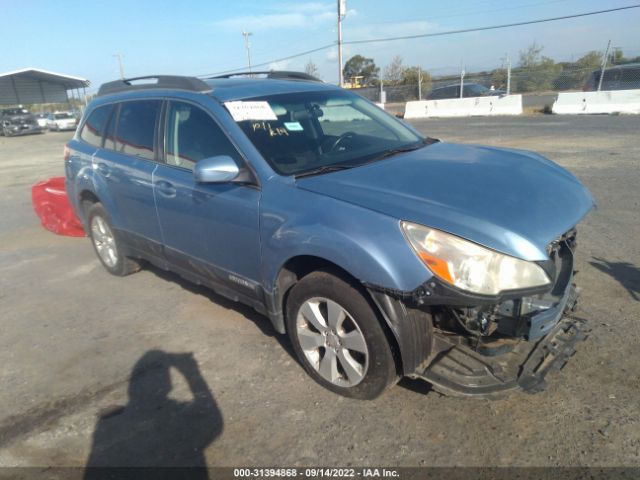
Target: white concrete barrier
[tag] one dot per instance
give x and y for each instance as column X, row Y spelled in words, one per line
column 614, row 101
column 465, row 107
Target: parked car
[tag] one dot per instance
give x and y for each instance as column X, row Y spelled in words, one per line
column 620, row 77
column 18, row 121
column 58, row 121
column 42, row 119
column 468, row 90
column 380, row 252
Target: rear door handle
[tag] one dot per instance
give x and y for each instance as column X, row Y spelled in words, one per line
column 165, row 189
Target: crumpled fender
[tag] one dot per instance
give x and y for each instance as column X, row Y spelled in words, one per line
column 51, row 204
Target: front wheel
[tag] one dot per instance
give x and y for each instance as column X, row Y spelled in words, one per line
column 338, row 337
column 106, row 244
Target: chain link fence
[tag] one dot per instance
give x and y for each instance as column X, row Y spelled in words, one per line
column 545, row 77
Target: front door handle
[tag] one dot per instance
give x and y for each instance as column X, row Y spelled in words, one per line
column 165, row 189
column 104, row 169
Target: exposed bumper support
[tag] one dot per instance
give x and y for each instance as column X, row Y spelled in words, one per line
column 457, row 370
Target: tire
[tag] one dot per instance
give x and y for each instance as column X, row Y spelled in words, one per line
column 338, row 338
column 106, row 244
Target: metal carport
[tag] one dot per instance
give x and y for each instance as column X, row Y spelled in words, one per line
column 31, row 85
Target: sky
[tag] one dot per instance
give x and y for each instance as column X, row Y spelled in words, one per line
column 199, row 37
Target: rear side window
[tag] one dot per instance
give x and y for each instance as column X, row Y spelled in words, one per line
column 192, row 135
column 136, row 128
column 95, row 125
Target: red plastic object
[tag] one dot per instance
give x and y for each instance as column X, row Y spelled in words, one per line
column 51, row 204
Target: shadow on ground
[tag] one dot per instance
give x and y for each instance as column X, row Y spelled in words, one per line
column 262, row 322
column 627, row 274
column 154, row 430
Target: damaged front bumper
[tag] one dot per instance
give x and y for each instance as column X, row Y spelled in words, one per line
column 477, row 346
column 459, row 371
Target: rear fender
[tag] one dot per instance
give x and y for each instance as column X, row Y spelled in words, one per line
column 89, row 181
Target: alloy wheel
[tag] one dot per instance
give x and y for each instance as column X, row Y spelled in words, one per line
column 332, row 342
column 104, row 241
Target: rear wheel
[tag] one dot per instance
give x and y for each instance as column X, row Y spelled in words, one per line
column 106, row 244
column 338, row 338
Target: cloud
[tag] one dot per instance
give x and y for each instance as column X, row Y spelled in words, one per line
column 281, row 65
column 382, row 30
column 285, row 15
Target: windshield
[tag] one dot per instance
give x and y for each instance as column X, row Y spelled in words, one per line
column 60, row 116
column 477, row 89
column 303, row 132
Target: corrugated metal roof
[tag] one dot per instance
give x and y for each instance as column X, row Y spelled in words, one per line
column 31, row 85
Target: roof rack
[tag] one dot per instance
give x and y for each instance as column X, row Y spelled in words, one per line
column 275, row 75
column 192, row 84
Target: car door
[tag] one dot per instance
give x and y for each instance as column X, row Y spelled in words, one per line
column 125, row 165
column 211, row 229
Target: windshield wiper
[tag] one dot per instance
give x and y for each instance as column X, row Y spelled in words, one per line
column 324, row 169
column 395, row 151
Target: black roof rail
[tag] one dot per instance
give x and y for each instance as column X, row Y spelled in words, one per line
column 192, row 84
column 274, row 74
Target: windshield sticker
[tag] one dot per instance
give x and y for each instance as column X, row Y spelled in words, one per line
column 293, row 126
column 266, row 126
column 241, row 111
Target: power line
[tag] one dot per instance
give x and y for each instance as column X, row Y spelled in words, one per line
column 492, row 27
column 425, row 35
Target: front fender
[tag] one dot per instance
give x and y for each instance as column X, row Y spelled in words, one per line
column 367, row 244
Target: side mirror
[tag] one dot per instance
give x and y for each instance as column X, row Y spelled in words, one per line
column 219, row 169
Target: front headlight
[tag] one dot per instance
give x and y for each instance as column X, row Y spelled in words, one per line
column 470, row 266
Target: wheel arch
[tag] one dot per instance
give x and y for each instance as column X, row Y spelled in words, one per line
column 299, row 266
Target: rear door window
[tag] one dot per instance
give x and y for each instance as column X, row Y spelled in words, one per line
column 94, row 127
column 136, row 126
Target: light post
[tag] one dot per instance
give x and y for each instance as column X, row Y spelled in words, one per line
column 342, row 12
column 119, row 57
column 247, row 45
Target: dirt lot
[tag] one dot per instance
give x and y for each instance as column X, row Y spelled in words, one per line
column 72, row 335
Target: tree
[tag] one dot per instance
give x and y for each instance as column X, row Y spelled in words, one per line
column 311, row 69
column 535, row 72
column 576, row 74
column 393, row 71
column 410, row 76
column 358, row 66
column 499, row 78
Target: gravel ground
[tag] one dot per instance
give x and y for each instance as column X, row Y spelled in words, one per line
column 78, row 344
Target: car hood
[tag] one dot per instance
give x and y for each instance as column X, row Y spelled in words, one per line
column 512, row 201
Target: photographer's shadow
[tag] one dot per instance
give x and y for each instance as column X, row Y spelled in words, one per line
column 153, row 430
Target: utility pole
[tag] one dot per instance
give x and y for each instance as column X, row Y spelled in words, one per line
column 247, row 45
column 419, row 83
column 119, row 57
column 604, row 64
column 342, row 12
column 508, row 75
